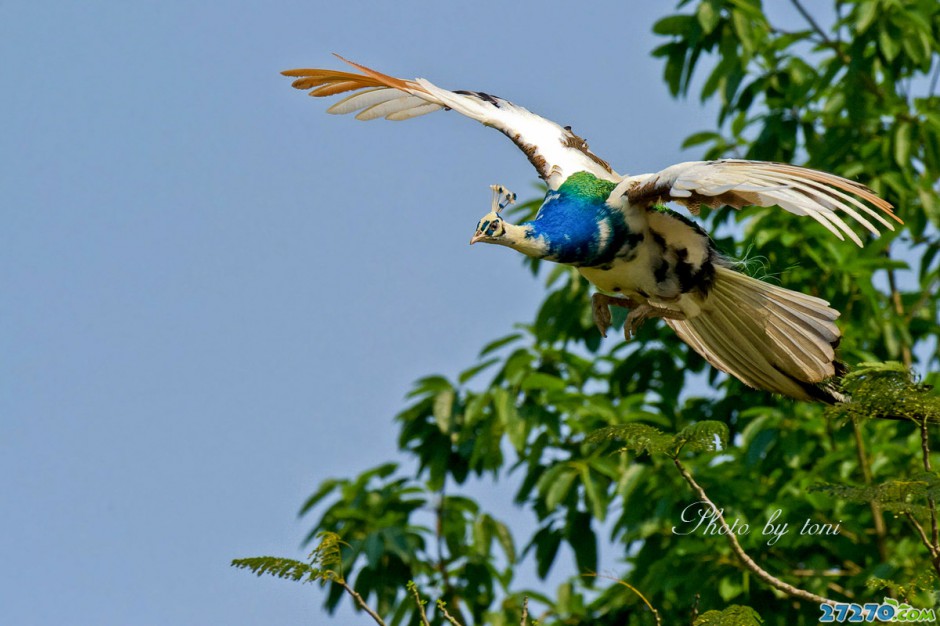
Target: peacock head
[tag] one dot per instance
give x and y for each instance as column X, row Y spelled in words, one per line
column 489, row 229
column 492, row 228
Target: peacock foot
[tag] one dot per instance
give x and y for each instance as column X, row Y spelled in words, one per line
column 600, row 307
column 643, row 312
column 639, row 313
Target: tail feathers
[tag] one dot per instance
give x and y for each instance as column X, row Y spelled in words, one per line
column 766, row 336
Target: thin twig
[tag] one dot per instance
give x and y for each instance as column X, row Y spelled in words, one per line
column 840, row 589
column 818, row 573
column 838, row 28
column 906, row 355
column 525, row 611
column 439, row 535
column 934, row 530
column 362, row 603
column 442, row 607
column 413, row 588
column 933, row 80
column 634, row 590
column 876, row 513
column 923, row 535
column 749, row 563
column 928, row 293
column 836, row 47
column 812, row 22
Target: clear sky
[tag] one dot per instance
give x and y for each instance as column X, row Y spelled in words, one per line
column 214, row 295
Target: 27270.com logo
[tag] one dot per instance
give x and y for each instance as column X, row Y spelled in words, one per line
column 888, row 611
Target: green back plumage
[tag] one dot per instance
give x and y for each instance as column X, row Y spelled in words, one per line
column 588, row 186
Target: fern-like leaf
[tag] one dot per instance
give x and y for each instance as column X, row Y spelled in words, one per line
column 924, row 582
column 901, row 496
column 322, row 561
column 327, row 553
column 734, row 615
column 280, row 568
column 637, row 438
column 706, row 436
column 886, row 391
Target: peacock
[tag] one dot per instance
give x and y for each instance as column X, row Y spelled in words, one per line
column 638, row 254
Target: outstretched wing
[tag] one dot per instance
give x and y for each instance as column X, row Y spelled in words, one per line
column 738, row 183
column 555, row 152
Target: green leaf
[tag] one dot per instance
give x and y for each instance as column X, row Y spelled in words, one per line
column 700, row 138
column 547, row 382
column 496, row 344
column 888, row 44
column 902, row 144
column 673, row 25
column 546, row 542
column 707, row 15
column 583, row 541
column 706, row 436
column 469, row 373
column 734, row 615
column 635, row 437
column 279, row 568
column 444, row 409
column 744, row 29
column 595, row 494
column 559, row 489
column 865, row 14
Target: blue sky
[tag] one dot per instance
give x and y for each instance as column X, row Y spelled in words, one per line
column 215, row 295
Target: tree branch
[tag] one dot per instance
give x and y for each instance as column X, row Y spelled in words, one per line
column 835, row 47
column 923, row 535
column 878, row 518
column 925, row 296
column 812, row 22
column 933, row 546
column 358, row 599
column 413, row 588
column 906, row 355
column 749, row 563
column 933, row 80
column 634, row 590
column 442, row 607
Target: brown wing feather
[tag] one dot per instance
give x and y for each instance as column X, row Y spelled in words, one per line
column 554, row 151
column 331, row 82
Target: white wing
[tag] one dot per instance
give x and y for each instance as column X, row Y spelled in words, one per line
column 738, row 183
column 555, row 152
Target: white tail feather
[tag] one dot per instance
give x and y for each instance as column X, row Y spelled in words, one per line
column 767, row 336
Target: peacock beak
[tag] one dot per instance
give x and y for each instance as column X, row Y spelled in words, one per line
column 477, row 236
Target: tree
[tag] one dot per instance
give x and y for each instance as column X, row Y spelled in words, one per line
column 628, row 437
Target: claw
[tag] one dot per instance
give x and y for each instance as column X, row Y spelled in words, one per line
column 639, row 313
column 600, row 307
column 643, row 312
column 601, row 310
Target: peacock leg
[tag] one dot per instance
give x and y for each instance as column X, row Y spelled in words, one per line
column 600, row 307
column 643, row 312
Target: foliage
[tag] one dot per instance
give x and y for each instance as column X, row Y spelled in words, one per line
column 593, row 432
column 734, row 615
column 321, row 561
column 886, row 390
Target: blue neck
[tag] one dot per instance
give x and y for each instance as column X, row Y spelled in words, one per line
column 578, row 229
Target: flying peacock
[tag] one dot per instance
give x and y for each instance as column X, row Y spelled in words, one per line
column 655, row 262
